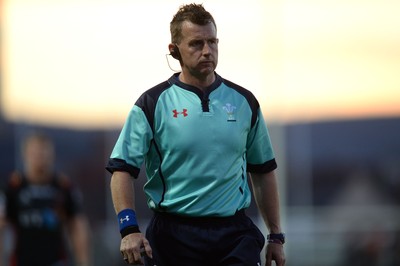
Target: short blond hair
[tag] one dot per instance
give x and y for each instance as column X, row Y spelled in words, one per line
column 194, row 13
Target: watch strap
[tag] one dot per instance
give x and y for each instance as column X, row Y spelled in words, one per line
column 276, row 238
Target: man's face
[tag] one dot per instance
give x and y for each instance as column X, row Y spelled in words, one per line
column 38, row 156
column 199, row 49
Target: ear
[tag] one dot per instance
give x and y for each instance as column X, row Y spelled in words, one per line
column 174, row 51
column 171, row 47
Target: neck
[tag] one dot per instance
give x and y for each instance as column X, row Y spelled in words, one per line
column 199, row 82
column 38, row 176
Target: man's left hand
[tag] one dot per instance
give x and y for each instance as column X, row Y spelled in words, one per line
column 274, row 252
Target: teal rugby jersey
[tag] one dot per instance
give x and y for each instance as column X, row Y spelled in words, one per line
column 197, row 147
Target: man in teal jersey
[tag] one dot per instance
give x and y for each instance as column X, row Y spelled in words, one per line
column 199, row 136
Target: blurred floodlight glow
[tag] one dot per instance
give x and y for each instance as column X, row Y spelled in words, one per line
column 84, row 63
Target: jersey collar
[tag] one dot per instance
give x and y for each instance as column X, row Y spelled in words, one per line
column 174, row 79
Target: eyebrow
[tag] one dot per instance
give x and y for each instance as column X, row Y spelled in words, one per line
column 203, row 39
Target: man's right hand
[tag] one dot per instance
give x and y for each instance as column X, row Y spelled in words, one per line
column 133, row 247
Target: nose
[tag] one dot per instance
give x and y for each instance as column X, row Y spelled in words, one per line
column 206, row 49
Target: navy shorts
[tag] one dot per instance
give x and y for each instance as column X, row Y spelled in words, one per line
column 183, row 241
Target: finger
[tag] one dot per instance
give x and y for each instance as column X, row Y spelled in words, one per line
column 130, row 258
column 268, row 259
column 147, row 249
column 125, row 257
column 137, row 257
column 280, row 262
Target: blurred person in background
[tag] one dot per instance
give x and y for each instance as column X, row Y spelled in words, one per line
column 199, row 136
column 44, row 211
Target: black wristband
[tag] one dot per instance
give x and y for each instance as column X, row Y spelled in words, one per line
column 276, row 238
column 129, row 230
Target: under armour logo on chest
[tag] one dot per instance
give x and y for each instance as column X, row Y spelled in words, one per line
column 176, row 113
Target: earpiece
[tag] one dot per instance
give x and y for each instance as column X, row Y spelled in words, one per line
column 175, row 52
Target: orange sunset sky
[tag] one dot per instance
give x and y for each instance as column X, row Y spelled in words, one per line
column 83, row 63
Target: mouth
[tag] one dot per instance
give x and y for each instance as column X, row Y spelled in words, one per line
column 207, row 63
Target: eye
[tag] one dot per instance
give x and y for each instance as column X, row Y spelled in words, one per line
column 197, row 44
column 213, row 42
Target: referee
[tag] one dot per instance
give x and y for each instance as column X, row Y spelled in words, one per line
column 200, row 136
